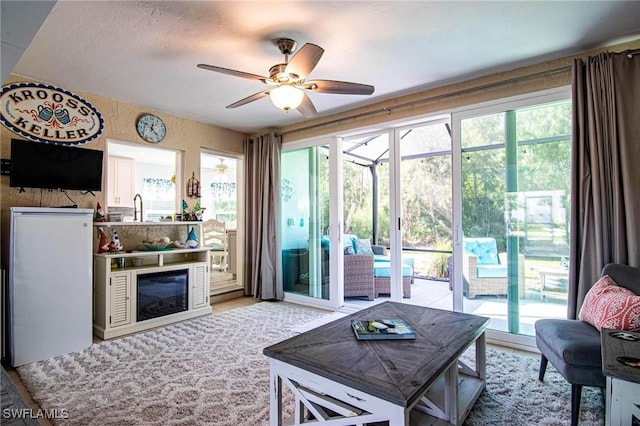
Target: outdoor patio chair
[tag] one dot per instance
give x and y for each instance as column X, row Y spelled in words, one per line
column 382, row 272
column 573, row 346
column 358, row 276
column 484, row 270
column 382, row 276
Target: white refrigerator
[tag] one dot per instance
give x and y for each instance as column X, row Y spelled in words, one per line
column 50, row 282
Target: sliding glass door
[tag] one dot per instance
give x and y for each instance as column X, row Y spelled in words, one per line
column 397, row 192
column 371, row 214
column 482, row 202
column 307, row 215
column 513, row 219
column 424, row 168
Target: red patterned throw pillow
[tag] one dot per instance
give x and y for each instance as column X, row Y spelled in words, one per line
column 607, row 305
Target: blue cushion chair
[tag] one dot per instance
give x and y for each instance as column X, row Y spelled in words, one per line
column 358, row 276
column 367, row 268
column 358, row 268
column 484, row 270
column 382, row 276
column 573, row 346
column 382, row 272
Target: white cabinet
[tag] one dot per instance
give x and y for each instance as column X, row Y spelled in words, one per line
column 117, row 307
column 200, row 286
column 120, row 182
column 121, row 302
column 623, row 378
column 622, row 402
column 120, row 299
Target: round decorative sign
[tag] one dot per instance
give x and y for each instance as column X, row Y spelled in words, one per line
column 49, row 114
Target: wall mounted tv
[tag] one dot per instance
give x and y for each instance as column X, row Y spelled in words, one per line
column 40, row 165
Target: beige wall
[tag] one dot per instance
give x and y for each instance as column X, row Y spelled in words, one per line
column 120, row 123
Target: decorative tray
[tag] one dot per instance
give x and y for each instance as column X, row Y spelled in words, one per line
column 153, row 247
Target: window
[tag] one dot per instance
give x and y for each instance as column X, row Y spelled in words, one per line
column 219, row 188
column 151, row 172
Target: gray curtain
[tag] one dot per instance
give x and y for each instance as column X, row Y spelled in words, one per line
column 605, row 187
column 263, row 266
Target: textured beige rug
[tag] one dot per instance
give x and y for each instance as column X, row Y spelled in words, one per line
column 206, row 371
column 515, row 396
column 211, row 371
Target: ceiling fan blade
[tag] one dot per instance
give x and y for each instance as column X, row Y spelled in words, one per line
column 306, row 108
column 305, row 60
column 248, row 99
column 233, row 72
column 338, row 87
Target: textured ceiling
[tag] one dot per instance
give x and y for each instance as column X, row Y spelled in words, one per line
column 145, row 53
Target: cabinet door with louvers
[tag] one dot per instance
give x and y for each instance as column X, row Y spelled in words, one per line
column 200, row 285
column 120, row 309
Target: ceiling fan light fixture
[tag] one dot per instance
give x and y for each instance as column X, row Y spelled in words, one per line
column 222, row 168
column 288, row 80
column 286, row 97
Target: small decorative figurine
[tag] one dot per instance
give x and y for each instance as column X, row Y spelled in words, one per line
column 197, row 211
column 99, row 213
column 103, row 241
column 115, row 245
column 193, row 215
column 192, row 239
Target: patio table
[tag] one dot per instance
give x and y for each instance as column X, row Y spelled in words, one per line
column 558, row 273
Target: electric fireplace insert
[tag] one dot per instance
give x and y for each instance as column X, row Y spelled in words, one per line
column 162, row 293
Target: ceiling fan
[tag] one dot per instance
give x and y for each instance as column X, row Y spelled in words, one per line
column 287, row 80
column 222, row 168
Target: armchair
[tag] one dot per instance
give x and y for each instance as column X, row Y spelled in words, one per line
column 358, row 268
column 382, row 272
column 358, row 276
column 367, row 270
column 573, row 347
column 382, row 278
column 484, row 270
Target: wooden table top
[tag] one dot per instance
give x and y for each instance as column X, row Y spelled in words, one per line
column 613, row 347
column 398, row 371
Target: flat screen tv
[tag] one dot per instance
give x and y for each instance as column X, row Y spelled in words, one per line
column 40, row 165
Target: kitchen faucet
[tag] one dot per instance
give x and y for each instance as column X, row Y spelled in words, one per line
column 135, row 211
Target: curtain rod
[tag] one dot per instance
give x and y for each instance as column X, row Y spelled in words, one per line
column 632, row 53
column 388, row 110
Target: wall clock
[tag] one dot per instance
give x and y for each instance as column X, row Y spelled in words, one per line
column 151, row 128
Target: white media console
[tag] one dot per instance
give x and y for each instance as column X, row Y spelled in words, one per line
column 121, row 302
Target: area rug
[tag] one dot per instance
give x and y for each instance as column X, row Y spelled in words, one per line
column 211, row 371
column 515, row 396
